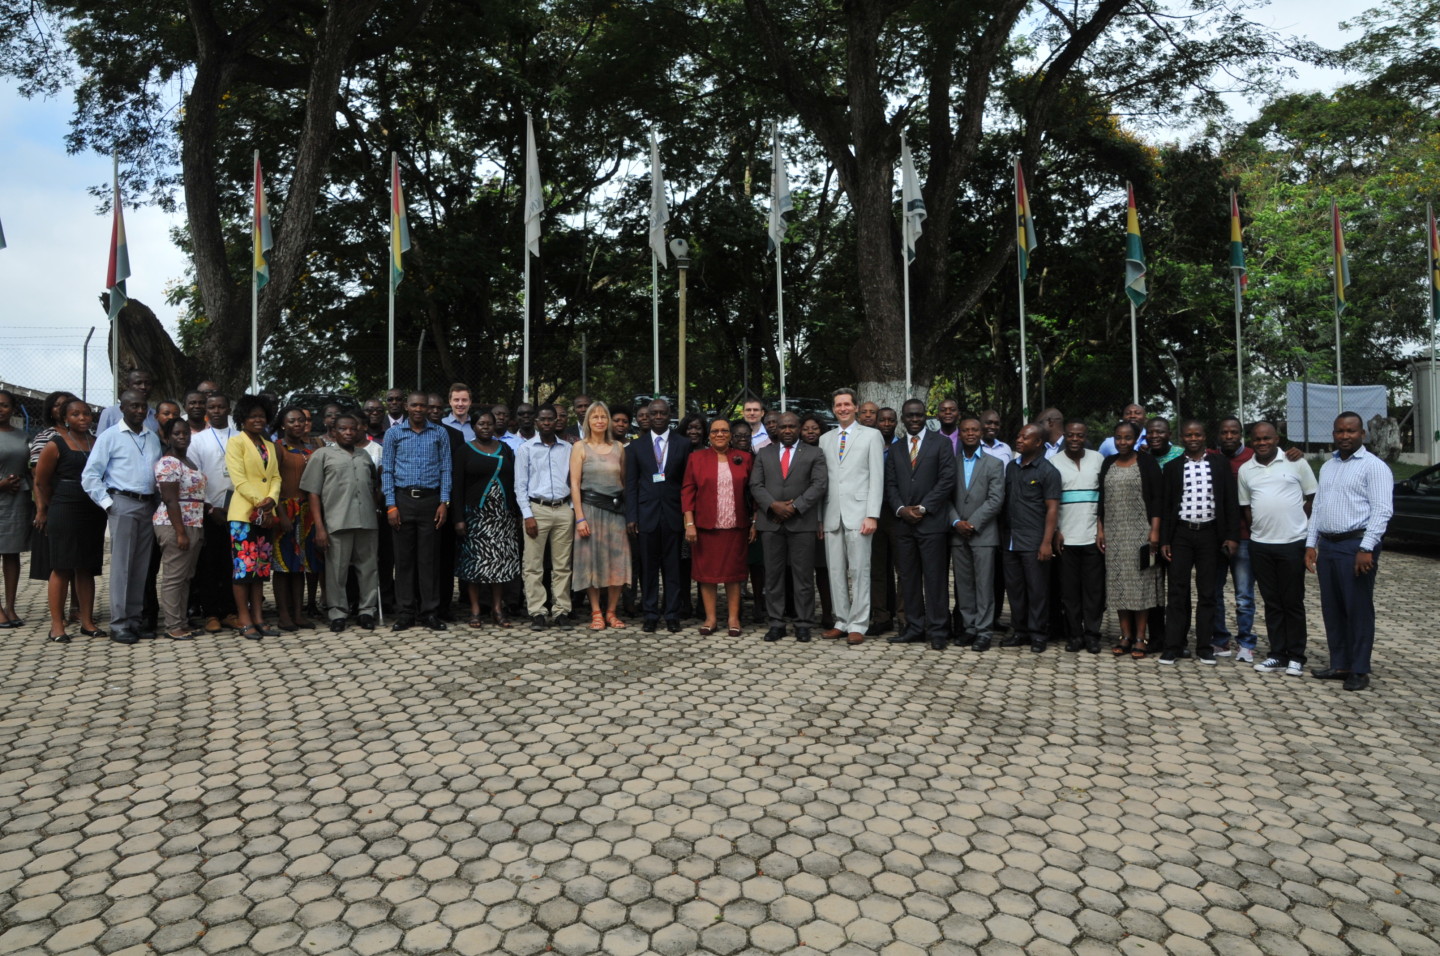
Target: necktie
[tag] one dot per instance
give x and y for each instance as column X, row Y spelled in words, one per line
column 785, row 464
column 842, row 444
column 659, row 454
column 914, row 449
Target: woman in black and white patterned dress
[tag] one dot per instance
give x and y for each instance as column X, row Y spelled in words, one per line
column 487, row 530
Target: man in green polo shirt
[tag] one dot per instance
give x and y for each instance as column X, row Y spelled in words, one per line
column 343, row 485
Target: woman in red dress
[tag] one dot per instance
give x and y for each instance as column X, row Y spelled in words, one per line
column 719, row 523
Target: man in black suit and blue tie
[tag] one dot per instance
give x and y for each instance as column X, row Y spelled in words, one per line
column 919, row 479
column 654, row 472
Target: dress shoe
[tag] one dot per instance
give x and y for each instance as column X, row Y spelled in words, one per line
column 938, row 643
column 434, row 623
column 904, row 638
column 122, row 636
column 963, row 640
column 564, row 620
column 403, row 623
column 146, row 633
column 1357, row 682
column 367, row 621
column 212, row 624
column 1092, row 645
column 1072, row 646
column 673, row 626
column 855, row 638
column 981, row 645
column 539, row 623
column 832, row 633
column 774, row 634
column 1013, row 640
column 802, row 634
column 1330, row 673
column 231, row 620
column 649, row 626
column 1038, row 647
column 337, row 625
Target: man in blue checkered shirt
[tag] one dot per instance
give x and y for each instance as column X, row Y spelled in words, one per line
column 416, row 470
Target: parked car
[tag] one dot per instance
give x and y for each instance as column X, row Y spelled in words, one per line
column 1417, row 507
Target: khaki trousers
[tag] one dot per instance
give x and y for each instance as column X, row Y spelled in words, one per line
column 557, row 529
column 176, row 569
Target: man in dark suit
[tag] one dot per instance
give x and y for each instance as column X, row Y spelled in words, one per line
column 788, row 484
column 1199, row 519
column 919, row 479
column 654, row 472
column 974, row 518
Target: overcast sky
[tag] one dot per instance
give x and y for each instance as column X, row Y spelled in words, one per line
column 54, row 268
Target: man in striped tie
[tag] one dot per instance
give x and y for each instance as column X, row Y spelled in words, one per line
column 855, row 467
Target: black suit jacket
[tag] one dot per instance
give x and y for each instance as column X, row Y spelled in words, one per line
column 655, row 505
column 1222, row 480
column 930, row 482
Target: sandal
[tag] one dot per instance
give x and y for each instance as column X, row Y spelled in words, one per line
column 501, row 620
column 1123, row 648
column 475, row 621
column 597, row 621
column 614, row 621
column 1141, row 650
column 251, row 633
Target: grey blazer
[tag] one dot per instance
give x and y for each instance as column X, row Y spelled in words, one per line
column 979, row 504
column 805, row 485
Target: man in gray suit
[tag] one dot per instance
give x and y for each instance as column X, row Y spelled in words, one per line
column 788, row 483
column 855, row 467
column 919, row 479
column 974, row 509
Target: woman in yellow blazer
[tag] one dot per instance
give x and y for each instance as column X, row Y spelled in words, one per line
column 254, row 466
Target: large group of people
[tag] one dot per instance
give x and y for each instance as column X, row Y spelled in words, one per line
column 427, row 510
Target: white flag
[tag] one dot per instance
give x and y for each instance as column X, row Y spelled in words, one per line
column 913, row 206
column 780, row 201
column 534, row 195
column 659, row 210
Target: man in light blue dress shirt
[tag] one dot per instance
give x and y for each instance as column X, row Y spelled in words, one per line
column 119, row 476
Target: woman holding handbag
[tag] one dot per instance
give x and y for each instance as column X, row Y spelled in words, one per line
column 254, row 465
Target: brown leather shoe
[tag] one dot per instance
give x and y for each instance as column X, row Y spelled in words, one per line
column 831, row 633
column 212, row 625
column 855, row 638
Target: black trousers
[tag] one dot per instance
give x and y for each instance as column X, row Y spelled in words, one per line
column 660, row 561
column 1198, row 550
column 216, row 569
column 1280, row 575
column 1027, row 579
column 1082, row 584
column 385, row 565
column 416, row 549
column 445, row 568
column 882, row 574
column 923, row 560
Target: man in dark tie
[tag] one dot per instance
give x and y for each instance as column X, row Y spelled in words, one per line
column 919, row 479
column 788, row 483
column 654, row 472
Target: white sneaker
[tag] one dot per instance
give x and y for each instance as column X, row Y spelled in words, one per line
column 1295, row 670
column 1269, row 665
column 1244, row 656
column 1223, row 651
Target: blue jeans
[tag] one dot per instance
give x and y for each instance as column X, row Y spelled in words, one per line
column 1244, row 578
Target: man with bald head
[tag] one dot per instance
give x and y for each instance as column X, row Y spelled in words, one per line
column 788, row 483
column 1052, row 429
column 119, row 476
column 1032, row 505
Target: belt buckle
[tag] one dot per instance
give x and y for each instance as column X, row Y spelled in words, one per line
column 414, row 492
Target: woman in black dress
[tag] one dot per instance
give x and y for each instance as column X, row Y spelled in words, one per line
column 74, row 524
column 54, row 410
column 488, row 530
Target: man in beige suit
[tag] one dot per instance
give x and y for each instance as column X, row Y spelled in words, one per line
column 855, row 468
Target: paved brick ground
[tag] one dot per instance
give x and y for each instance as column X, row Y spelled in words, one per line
column 486, row 792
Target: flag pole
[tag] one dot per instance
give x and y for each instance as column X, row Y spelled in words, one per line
column 1434, row 398
column 390, row 333
column 1134, row 357
column 115, row 322
column 525, row 364
column 780, row 315
column 655, row 315
column 1239, row 355
column 909, row 391
column 255, row 301
column 1024, row 364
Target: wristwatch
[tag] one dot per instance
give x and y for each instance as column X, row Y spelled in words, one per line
column 1367, row 550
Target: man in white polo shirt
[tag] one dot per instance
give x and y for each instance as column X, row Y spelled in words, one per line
column 1275, row 495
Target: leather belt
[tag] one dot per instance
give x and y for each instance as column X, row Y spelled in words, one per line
column 1343, row 535
column 415, row 491
column 549, row 502
column 112, row 492
column 1197, row 525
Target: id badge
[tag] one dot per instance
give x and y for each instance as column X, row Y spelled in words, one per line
column 658, row 478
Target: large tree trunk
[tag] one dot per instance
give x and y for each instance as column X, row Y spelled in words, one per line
column 144, row 343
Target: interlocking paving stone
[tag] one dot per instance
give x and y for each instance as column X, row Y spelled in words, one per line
column 486, row 792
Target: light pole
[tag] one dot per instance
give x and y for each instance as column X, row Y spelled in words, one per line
column 681, row 250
